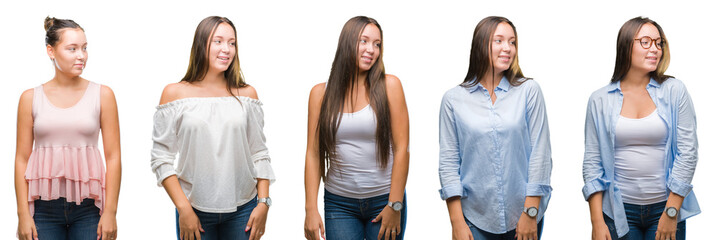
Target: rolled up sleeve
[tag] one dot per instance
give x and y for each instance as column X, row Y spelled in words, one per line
column 592, row 169
column 449, row 167
column 686, row 152
column 540, row 160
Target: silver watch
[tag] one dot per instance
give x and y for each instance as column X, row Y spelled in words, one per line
column 396, row 206
column 671, row 212
column 531, row 211
column 266, row 200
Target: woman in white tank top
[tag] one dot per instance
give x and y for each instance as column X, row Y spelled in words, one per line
column 640, row 143
column 358, row 127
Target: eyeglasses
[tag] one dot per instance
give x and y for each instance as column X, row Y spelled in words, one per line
column 646, row 42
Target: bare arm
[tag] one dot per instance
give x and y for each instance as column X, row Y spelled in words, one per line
column 25, row 137
column 400, row 131
column 313, row 226
column 109, row 123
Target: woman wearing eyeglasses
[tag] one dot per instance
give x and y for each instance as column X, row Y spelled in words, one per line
column 640, row 143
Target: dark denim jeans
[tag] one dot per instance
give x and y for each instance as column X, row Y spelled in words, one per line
column 225, row 226
column 643, row 221
column 350, row 218
column 62, row 220
column 479, row 234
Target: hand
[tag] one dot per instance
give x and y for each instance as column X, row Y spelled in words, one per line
column 26, row 228
column 313, row 226
column 460, row 231
column 600, row 231
column 666, row 228
column 526, row 228
column 189, row 225
column 257, row 221
column 107, row 227
column 389, row 223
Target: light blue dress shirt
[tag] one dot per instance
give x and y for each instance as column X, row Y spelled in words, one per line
column 673, row 104
column 494, row 155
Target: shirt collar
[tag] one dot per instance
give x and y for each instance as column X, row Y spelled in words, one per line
column 617, row 85
column 504, row 85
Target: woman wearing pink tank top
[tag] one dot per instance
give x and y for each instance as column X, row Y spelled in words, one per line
column 62, row 189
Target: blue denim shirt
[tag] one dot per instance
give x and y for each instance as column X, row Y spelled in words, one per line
column 493, row 156
column 673, row 104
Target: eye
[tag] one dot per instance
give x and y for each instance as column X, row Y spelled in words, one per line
column 363, row 41
column 512, row 42
column 232, row 44
column 498, row 41
column 72, row 49
column 378, row 44
column 217, row 41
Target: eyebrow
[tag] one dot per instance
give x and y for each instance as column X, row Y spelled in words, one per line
column 498, row 35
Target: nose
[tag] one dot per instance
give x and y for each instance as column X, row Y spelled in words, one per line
column 81, row 55
column 369, row 48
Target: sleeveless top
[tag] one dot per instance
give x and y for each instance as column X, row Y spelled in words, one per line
column 639, row 166
column 65, row 161
column 355, row 172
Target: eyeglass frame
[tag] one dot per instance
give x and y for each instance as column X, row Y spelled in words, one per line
column 651, row 41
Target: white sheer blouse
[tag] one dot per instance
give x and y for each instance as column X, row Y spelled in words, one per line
column 221, row 150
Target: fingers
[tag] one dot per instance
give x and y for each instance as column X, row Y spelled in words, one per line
column 382, row 231
column 249, row 224
column 197, row 234
column 378, row 218
column 34, row 233
column 99, row 230
column 323, row 231
column 393, row 234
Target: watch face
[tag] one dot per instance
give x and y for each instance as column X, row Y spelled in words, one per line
column 671, row 212
column 268, row 202
column 532, row 212
column 397, row 206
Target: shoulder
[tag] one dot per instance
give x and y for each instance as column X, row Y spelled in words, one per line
column 105, row 91
column 27, row 95
column 392, row 83
column 673, row 83
column 318, row 90
column 601, row 93
column 172, row 92
column 248, row 91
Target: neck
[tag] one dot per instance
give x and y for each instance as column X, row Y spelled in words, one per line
column 62, row 79
column 635, row 78
column 361, row 78
column 489, row 82
column 214, row 78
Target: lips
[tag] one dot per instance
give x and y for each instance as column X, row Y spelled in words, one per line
column 366, row 59
column 504, row 58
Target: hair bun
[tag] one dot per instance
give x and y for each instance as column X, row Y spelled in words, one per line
column 49, row 21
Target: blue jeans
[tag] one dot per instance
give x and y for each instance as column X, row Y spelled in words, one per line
column 225, row 226
column 479, row 234
column 643, row 221
column 61, row 220
column 350, row 218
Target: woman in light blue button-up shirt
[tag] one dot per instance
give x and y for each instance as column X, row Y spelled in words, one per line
column 495, row 157
column 621, row 207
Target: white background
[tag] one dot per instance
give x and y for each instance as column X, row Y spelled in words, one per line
column 286, row 47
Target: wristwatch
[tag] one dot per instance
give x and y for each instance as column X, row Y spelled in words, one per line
column 396, row 206
column 266, row 200
column 671, row 212
column 531, row 211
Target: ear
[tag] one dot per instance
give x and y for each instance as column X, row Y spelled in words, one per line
column 50, row 52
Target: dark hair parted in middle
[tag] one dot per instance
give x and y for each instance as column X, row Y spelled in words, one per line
column 480, row 54
column 341, row 82
column 625, row 42
column 199, row 59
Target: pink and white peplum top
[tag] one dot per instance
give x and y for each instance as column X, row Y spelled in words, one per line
column 66, row 161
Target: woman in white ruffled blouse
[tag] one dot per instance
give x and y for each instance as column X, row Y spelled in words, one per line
column 214, row 121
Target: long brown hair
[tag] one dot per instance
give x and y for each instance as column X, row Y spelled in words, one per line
column 625, row 42
column 340, row 85
column 199, row 59
column 480, row 54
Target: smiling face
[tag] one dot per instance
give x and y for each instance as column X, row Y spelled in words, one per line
column 503, row 46
column 368, row 47
column 646, row 60
column 222, row 48
column 69, row 54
